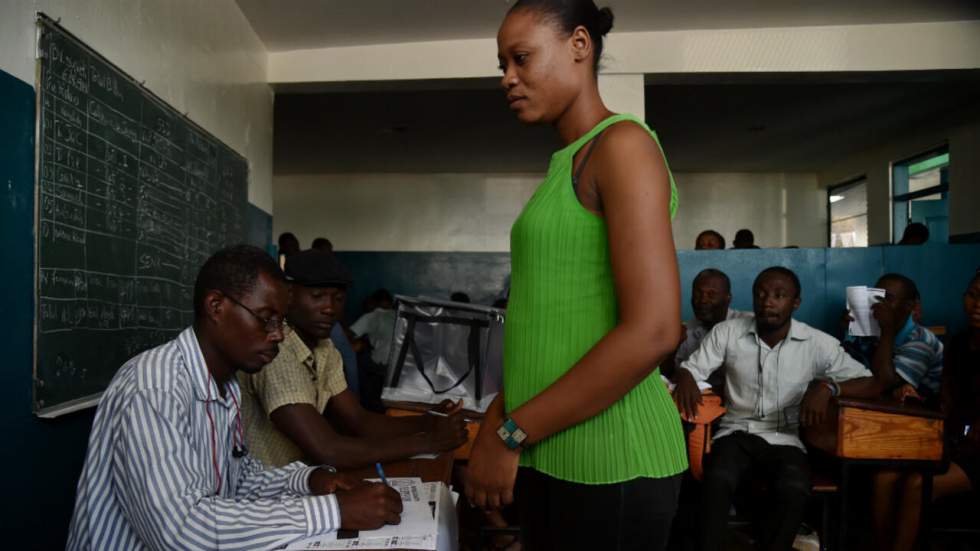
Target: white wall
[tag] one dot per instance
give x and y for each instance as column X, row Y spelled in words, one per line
column 961, row 131
column 403, row 212
column 882, row 47
column 780, row 208
column 200, row 56
column 474, row 212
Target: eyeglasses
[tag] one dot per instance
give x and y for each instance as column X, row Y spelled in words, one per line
column 270, row 325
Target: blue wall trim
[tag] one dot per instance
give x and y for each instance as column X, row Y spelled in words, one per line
column 259, row 224
column 42, row 459
column 941, row 272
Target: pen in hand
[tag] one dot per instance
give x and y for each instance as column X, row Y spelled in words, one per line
column 381, row 474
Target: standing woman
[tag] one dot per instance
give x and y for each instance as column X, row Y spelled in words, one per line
column 584, row 425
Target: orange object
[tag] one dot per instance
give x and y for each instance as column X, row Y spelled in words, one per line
column 699, row 439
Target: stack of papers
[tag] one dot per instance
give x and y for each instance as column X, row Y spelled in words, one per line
column 860, row 299
column 418, row 529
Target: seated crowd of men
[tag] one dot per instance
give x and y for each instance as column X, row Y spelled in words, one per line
column 230, row 435
column 779, row 375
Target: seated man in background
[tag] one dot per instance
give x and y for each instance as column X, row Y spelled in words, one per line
column 897, row 506
column 371, row 336
column 744, row 239
column 709, row 240
column 299, row 406
column 711, row 299
column 907, row 358
column 779, row 372
column 915, row 233
column 166, row 467
column 322, row 244
column 288, row 246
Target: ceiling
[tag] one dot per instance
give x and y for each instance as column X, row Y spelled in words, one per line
column 303, row 24
column 720, row 123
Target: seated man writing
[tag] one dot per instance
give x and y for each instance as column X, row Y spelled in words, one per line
column 907, row 358
column 779, row 372
column 166, row 466
column 711, row 299
column 299, row 406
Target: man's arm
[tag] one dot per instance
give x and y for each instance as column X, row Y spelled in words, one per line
column 398, row 438
column 850, row 377
column 709, row 356
column 882, row 362
column 168, row 489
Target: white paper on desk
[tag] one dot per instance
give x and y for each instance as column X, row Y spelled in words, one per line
column 860, row 299
column 428, row 523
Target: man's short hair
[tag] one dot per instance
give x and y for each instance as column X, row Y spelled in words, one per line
column 720, row 238
column 382, row 295
column 909, row 286
column 234, row 271
column 782, row 271
column 322, row 243
column 714, row 272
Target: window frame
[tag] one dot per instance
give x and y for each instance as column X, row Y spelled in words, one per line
column 842, row 186
column 908, row 196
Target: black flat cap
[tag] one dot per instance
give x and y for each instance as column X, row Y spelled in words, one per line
column 314, row 268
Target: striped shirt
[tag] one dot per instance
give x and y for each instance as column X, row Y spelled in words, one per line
column 917, row 356
column 149, row 481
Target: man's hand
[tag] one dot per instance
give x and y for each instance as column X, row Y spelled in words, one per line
column 906, row 392
column 325, row 482
column 687, row 396
column 448, row 407
column 887, row 317
column 845, row 322
column 813, row 412
column 446, row 433
column 369, row 506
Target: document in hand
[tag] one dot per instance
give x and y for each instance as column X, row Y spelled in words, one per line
column 428, row 523
column 860, row 299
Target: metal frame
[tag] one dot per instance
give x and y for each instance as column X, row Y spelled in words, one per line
column 846, row 184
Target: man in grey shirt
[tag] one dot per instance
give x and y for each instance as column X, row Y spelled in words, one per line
column 779, row 373
column 711, row 299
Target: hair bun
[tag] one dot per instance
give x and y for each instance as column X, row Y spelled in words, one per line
column 604, row 21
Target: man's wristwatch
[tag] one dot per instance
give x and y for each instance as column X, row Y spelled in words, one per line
column 512, row 435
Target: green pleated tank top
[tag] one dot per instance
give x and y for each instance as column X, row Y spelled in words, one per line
column 562, row 302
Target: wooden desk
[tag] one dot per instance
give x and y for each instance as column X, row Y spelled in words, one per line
column 885, row 433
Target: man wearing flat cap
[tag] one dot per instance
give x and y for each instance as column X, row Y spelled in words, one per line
column 299, row 407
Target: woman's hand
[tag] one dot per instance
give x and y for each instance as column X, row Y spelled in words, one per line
column 492, row 471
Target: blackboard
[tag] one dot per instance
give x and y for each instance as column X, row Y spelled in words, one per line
column 132, row 198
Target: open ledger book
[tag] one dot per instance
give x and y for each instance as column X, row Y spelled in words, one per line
column 428, row 523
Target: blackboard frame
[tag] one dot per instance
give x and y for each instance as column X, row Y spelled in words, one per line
column 47, row 24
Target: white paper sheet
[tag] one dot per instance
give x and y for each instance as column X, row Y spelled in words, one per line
column 418, row 528
column 860, row 299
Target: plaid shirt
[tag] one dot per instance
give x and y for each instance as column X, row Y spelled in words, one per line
column 297, row 376
column 918, row 356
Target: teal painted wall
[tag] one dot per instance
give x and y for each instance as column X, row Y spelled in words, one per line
column 941, row 272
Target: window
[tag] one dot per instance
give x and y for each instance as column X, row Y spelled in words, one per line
column 920, row 194
column 847, row 205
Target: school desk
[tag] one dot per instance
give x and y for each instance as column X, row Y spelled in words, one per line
column 884, row 433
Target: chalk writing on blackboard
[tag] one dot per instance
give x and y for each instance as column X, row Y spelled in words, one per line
column 132, row 198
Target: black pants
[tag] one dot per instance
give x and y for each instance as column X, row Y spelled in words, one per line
column 786, row 473
column 559, row 515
